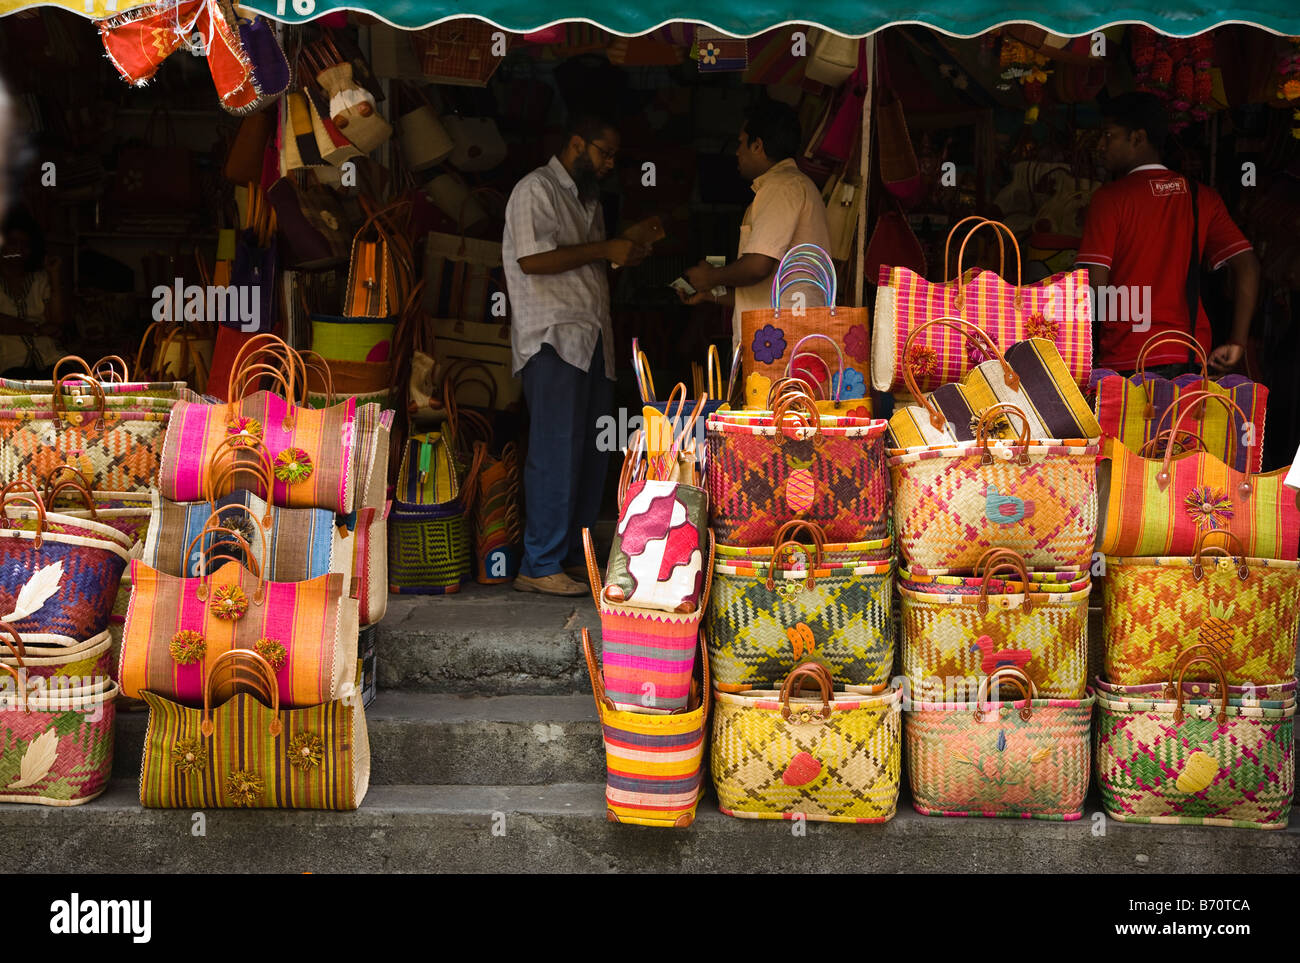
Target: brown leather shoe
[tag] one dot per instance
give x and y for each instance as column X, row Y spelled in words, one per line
column 557, row 584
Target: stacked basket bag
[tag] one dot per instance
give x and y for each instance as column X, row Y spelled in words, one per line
column 264, row 556
column 1201, row 599
column 651, row 691
column 803, row 575
column 995, row 513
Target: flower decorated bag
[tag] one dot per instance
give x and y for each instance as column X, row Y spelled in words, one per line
column 834, row 758
column 1030, row 375
column 1057, row 308
column 1154, row 506
column 115, row 445
column 177, row 627
column 56, row 742
column 654, row 763
column 1218, row 761
column 59, row 576
column 767, row 616
column 1030, row 757
column 250, row 751
column 648, row 655
column 794, row 463
column 1246, row 609
column 950, row 638
column 808, row 372
column 768, row 336
column 1134, row 409
column 952, row 503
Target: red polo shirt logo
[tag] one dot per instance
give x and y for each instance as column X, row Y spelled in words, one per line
column 1169, row 187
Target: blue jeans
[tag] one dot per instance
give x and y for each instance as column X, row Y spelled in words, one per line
column 564, row 474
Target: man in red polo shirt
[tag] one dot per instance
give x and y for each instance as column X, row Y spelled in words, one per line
column 1137, row 245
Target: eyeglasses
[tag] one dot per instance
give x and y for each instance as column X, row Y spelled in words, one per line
column 605, row 152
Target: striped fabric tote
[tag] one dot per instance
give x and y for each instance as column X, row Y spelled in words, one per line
column 1208, row 761
column 835, row 757
column 765, row 469
column 654, row 763
column 1160, row 506
column 648, row 656
column 370, row 548
column 177, row 627
column 767, row 616
column 1134, row 409
column 1246, row 609
column 952, row 638
column 952, row 503
column 1057, row 308
column 249, row 751
column 1030, row 375
column 56, row 743
column 1027, row 758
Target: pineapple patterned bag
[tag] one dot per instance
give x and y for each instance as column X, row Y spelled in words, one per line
column 1246, row 609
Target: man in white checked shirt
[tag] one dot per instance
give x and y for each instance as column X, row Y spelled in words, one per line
column 556, row 261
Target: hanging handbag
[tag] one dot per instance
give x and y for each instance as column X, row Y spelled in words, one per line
column 766, row 334
column 834, row 58
column 794, row 463
column 1160, row 506
column 1030, row 375
column 429, row 541
column 370, row 551
column 352, row 106
column 1027, row 758
column 900, row 171
column 950, row 639
column 1204, row 761
column 379, row 275
column 156, row 178
column 461, row 52
column 1246, row 609
column 254, row 269
column 768, row 614
column 178, row 626
column 138, row 41
column 1058, row 308
column 655, row 763
column 952, row 503
column 251, row 751
column 245, row 156
column 58, row 745
column 425, row 141
column 892, row 242
column 477, row 143
column 835, row 757
column 1134, row 409
column 312, row 224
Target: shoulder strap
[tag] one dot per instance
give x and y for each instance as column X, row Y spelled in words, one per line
column 1192, row 288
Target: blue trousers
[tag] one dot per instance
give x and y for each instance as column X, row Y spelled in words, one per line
column 564, row 474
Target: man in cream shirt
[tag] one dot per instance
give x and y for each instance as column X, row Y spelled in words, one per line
column 787, row 210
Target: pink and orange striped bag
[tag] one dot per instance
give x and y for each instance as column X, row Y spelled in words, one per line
column 1162, row 506
column 1057, row 308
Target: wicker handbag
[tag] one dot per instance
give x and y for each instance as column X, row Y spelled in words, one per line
column 779, row 755
column 951, row 638
column 952, row 503
column 655, row 763
column 765, row 616
column 1246, row 609
column 91, row 659
column 429, row 539
column 1030, row 757
column 1216, row 761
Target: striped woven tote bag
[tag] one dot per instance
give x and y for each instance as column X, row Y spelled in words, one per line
column 795, row 463
column 1220, row 760
column 835, row 757
column 648, row 656
column 1134, row 409
column 766, row 616
column 56, row 742
column 177, row 627
column 952, row 503
column 1159, row 506
column 248, row 751
column 654, row 763
column 952, row 639
column 1247, row 609
column 1026, row 758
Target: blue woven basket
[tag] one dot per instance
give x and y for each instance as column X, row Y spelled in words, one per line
column 429, row 548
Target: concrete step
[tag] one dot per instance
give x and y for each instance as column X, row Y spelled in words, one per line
column 486, row 639
column 438, row 738
column 561, row 828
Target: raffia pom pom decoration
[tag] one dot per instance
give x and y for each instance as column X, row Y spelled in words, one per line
column 306, row 751
column 189, row 755
column 293, row 465
column 245, row 432
column 188, row 647
column 273, row 651
column 229, row 602
column 243, row 786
